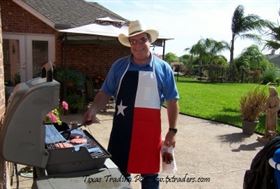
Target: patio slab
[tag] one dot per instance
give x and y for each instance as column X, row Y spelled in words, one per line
column 208, row 154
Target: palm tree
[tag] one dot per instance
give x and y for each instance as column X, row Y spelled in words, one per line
column 274, row 34
column 242, row 24
column 207, row 51
column 252, row 59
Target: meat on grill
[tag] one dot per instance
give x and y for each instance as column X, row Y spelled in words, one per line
column 63, row 145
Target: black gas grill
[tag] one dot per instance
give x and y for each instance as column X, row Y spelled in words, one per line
column 57, row 161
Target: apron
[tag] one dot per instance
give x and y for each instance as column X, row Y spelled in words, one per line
column 135, row 140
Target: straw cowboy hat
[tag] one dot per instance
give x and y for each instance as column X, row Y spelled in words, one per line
column 135, row 28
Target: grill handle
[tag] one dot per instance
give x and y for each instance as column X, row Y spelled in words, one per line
column 47, row 71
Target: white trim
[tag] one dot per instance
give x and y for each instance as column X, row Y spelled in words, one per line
column 51, row 48
column 120, row 82
column 35, row 13
column 22, row 56
column 25, row 46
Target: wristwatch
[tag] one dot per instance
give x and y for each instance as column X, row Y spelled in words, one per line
column 174, row 130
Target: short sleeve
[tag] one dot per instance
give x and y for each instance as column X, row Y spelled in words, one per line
column 170, row 90
column 111, row 83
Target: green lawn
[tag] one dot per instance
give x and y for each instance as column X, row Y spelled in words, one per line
column 214, row 101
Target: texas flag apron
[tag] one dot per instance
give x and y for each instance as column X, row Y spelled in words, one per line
column 135, row 139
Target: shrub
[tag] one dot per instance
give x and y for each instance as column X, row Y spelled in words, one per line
column 270, row 75
column 75, row 101
column 252, row 104
column 75, row 77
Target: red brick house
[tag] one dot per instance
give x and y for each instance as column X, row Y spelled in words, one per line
column 32, row 36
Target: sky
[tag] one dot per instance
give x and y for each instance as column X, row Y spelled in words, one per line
column 188, row 21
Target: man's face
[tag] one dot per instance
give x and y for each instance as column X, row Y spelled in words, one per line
column 140, row 45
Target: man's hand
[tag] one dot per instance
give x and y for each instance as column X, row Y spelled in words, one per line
column 100, row 101
column 90, row 117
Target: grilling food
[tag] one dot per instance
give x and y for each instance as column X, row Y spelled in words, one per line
column 63, row 145
column 78, row 141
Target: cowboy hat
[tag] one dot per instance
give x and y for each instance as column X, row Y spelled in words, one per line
column 135, row 28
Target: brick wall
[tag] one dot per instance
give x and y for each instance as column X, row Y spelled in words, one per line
column 94, row 60
column 16, row 19
column 2, row 107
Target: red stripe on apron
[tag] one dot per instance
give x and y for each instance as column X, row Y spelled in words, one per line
column 144, row 156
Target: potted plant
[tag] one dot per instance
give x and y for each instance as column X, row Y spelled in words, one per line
column 251, row 106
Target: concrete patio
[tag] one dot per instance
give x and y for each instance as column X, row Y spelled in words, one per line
column 208, row 154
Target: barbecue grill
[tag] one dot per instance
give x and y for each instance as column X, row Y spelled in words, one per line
column 56, row 162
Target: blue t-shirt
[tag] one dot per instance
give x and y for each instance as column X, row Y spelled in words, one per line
column 165, row 77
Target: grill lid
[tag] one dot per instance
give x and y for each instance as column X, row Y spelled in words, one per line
column 22, row 137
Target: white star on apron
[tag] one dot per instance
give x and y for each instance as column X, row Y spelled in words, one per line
column 121, row 108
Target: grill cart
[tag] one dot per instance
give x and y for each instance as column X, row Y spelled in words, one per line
column 57, row 161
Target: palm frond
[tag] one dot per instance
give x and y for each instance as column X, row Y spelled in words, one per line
column 251, row 36
column 272, row 44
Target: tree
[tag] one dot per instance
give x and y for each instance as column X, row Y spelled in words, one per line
column 242, row 24
column 185, row 59
column 252, row 59
column 171, row 57
column 207, row 50
column 252, row 63
column 274, row 34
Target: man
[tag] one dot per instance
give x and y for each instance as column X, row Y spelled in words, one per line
column 140, row 83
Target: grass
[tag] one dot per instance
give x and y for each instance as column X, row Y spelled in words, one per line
column 214, row 101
